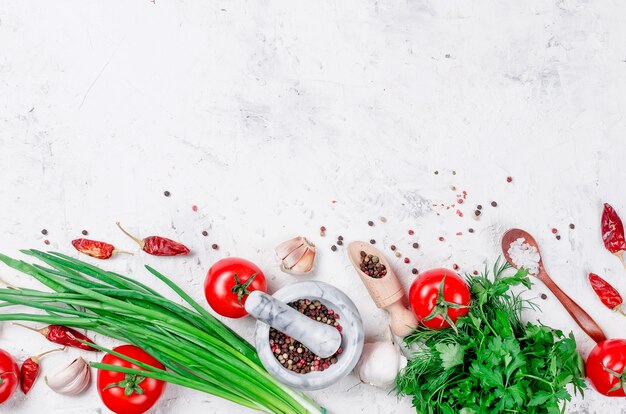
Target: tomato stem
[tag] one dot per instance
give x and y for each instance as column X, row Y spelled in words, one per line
column 130, row 383
column 241, row 289
column 442, row 306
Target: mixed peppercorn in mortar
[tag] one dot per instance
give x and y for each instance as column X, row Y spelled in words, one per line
column 292, row 354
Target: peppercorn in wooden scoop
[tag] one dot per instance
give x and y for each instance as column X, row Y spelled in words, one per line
column 581, row 317
column 383, row 286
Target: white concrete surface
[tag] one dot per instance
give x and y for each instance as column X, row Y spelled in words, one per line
column 263, row 113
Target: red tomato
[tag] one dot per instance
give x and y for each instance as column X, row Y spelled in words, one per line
column 438, row 298
column 228, row 283
column 9, row 376
column 608, row 355
column 112, row 385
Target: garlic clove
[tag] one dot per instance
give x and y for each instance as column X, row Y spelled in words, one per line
column 285, row 248
column 379, row 364
column 294, row 257
column 305, row 264
column 71, row 380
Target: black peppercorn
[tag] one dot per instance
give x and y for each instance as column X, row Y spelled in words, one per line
column 370, row 223
column 333, row 248
column 416, row 245
column 215, row 246
column 44, row 232
column 372, row 241
column 84, row 232
column 205, row 233
column 494, row 204
column 166, row 193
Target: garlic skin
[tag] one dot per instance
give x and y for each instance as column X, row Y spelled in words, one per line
column 297, row 255
column 379, row 364
column 71, row 380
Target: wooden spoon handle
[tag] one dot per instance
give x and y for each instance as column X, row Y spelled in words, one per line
column 581, row 317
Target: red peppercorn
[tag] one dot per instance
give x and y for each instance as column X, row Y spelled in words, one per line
column 509, row 179
column 322, row 228
column 406, row 260
column 554, row 231
column 460, row 201
column 194, row 207
column 455, row 266
column 441, row 238
column 411, row 232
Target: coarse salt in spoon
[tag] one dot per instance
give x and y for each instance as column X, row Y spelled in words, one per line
column 527, row 255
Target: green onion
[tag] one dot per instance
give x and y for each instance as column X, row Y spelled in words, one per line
column 198, row 350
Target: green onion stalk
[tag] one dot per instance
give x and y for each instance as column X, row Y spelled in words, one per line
column 198, row 351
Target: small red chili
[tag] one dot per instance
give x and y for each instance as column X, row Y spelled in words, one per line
column 63, row 335
column 613, row 232
column 30, row 370
column 158, row 246
column 97, row 249
column 607, row 293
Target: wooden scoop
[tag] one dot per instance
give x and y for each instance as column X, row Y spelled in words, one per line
column 387, row 292
column 581, row 317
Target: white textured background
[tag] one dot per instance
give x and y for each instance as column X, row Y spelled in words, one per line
column 262, row 113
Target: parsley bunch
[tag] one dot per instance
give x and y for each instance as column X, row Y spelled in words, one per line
column 495, row 363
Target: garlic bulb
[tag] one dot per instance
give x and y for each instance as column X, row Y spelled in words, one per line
column 297, row 255
column 379, row 364
column 71, row 380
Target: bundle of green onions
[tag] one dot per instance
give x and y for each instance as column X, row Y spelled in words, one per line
column 198, row 350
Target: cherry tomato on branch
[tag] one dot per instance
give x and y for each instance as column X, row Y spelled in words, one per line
column 129, row 393
column 9, row 376
column 606, row 367
column 228, row 284
column 438, row 297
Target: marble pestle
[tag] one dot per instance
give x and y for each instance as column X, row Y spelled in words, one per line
column 323, row 340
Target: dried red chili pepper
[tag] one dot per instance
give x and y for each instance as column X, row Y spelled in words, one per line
column 607, row 293
column 30, row 370
column 63, row 335
column 613, row 232
column 97, row 249
column 158, row 246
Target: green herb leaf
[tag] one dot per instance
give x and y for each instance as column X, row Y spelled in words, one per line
column 451, row 355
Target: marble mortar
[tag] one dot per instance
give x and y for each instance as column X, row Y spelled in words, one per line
column 351, row 340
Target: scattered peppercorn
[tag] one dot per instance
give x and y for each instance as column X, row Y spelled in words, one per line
column 411, row 232
column 453, row 188
column 340, row 243
column 453, row 172
column 372, row 241
column 475, row 272
column 398, row 254
column 46, row 241
column 509, row 179
column 205, row 233
column 477, row 212
column 460, row 201
column 479, row 207
column 215, row 246
column 544, row 296
column 571, row 226
column 436, row 172
column 370, row 223
column 392, row 247
column 414, row 271
column 322, row 228
column 194, row 208
column 554, row 231
column 416, row 245
column 84, row 232
column 292, row 354
column 471, row 230
column 406, row 260
column 558, row 237
column 494, row 204
column 383, row 219
column 371, row 266
column 333, row 248
column 166, row 193
column 44, row 232
column 340, row 238
column 441, row 238
column 455, row 266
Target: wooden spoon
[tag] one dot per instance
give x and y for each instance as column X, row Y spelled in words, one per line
column 581, row 317
column 387, row 292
